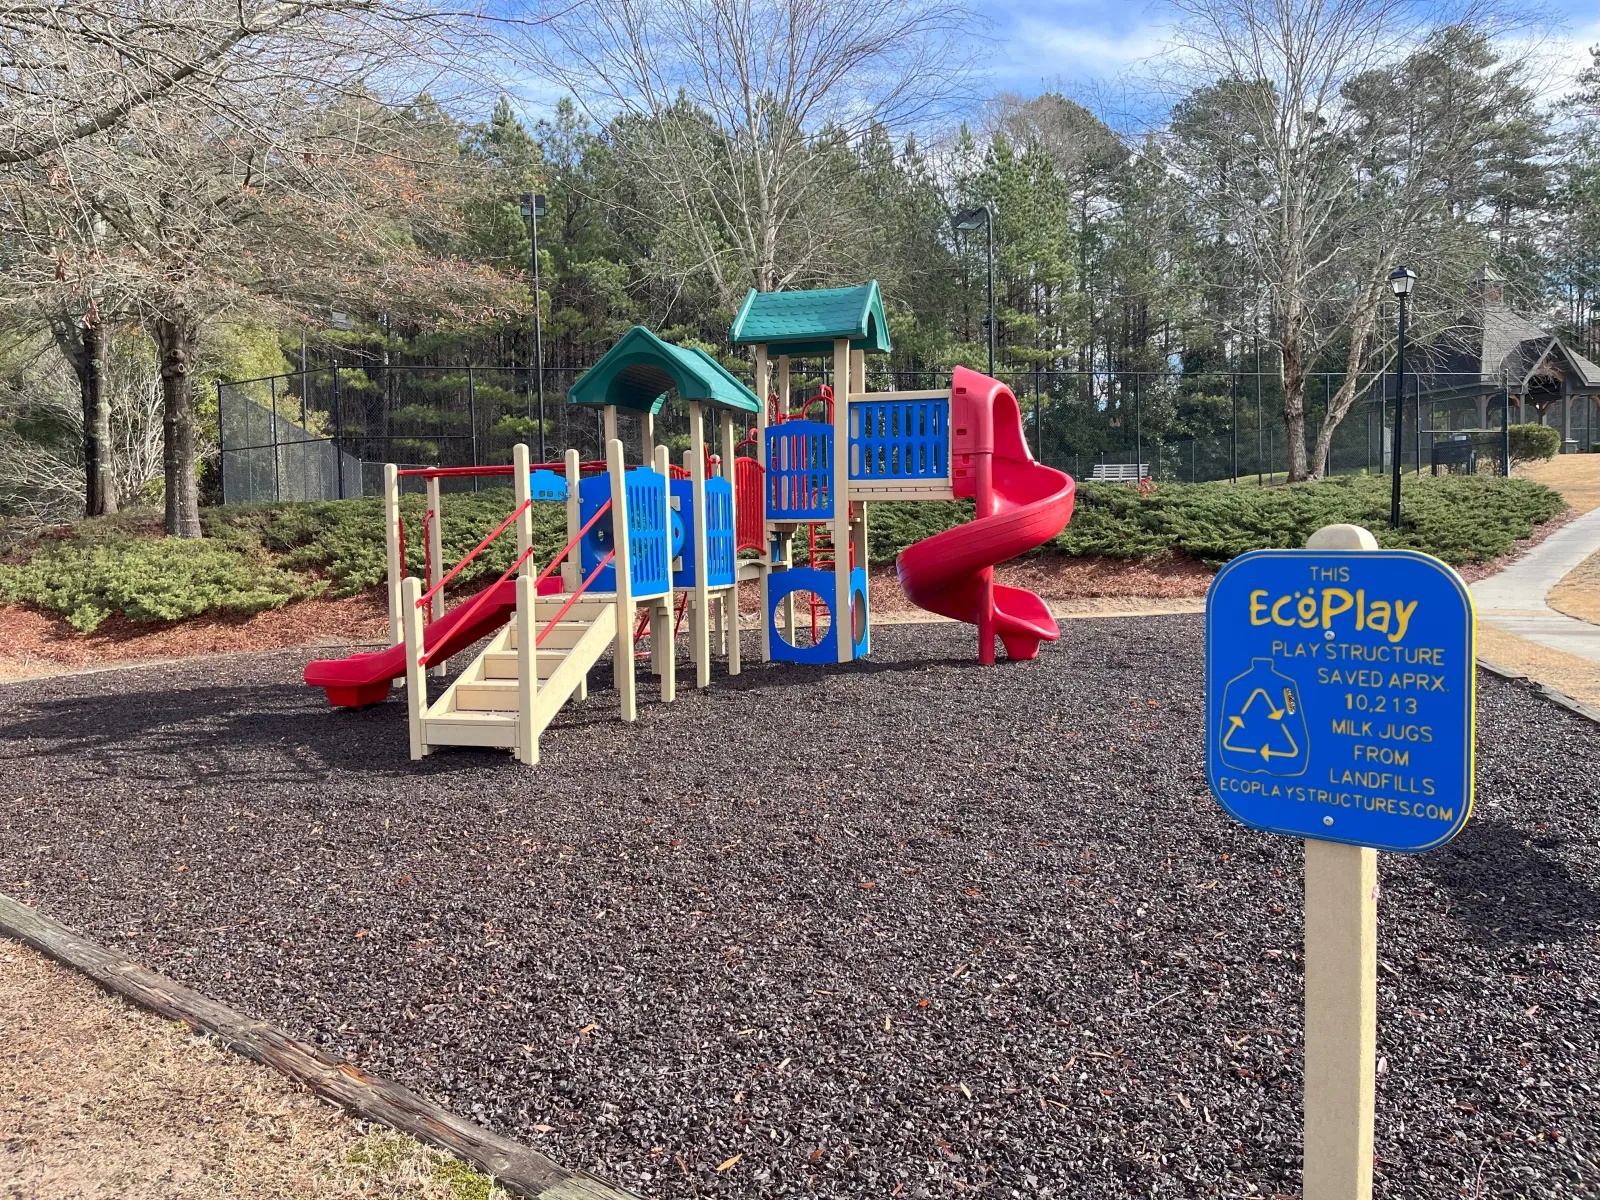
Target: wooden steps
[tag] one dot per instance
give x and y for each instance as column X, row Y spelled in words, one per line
column 485, row 706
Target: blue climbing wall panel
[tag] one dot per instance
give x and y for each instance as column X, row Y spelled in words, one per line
column 893, row 440
column 719, row 532
column 649, row 528
column 799, row 483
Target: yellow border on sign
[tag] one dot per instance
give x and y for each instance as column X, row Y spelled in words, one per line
column 1472, row 680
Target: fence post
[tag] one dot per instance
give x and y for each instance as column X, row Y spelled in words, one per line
column 222, row 453
column 277, row 476
column 472, row 420
column 1233, row 452
column 1138, row 430
column 338, row 432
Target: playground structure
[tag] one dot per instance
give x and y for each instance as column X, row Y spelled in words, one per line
column 649, row 543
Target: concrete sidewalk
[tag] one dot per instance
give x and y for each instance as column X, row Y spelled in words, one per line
column 1514, row 600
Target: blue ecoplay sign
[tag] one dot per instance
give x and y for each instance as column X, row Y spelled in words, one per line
column 1340, row 696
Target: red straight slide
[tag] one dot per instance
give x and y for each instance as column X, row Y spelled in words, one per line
column 1021, row 504
column 364, row 679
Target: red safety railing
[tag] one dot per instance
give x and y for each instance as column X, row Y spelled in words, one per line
column 573, row 599
column 496, row 469
column 483, row 597
column 476, row 550
column 427, row 551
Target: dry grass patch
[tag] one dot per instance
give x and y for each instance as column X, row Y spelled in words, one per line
column 1578, row 595
column 1575, row 476
column 101, row 1100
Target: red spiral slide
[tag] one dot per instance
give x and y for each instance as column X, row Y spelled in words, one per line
column 1021, row 504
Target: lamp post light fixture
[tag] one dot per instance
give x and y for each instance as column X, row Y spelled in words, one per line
column 964, row 222
column 1401, row 281
column 533, row 207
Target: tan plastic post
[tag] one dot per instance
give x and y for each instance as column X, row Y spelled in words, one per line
column 1341, row 981
column 610, row 424
column 391, row 546
column 572, row 569
column 622, row 648
column 647, row 437
column 858, row 372
column 527, row 670
column 416, row 677
column 436, row 561
column 730, row 615
column 839, row 611
column 783, row 385
column 700, row 634
column 763, row 386
column 521, row 490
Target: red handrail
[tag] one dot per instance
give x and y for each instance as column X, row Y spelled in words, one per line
column 427, row 552
column 576, row 538
column 477, row 550
column 497, row 469
column 573, row 599
column 482, row 599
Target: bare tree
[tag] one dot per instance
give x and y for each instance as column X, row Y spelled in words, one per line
column 726, row 103
column 70, row 71
column 336, row 208
column 1329, row 139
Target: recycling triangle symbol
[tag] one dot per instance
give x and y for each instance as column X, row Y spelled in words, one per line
column 1263, row 726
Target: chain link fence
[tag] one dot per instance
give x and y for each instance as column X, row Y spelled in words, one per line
column 325, row 434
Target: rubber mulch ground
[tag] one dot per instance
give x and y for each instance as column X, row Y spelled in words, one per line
column 904, row 927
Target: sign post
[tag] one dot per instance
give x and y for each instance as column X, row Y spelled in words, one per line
column 1340, row 703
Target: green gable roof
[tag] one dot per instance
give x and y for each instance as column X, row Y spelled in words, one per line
column 639, row 371
column 808, row 322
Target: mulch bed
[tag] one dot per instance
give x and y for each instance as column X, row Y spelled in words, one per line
column 902, row 927
column 30, row 639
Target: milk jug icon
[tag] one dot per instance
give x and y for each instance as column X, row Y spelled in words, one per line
column 1263, row 723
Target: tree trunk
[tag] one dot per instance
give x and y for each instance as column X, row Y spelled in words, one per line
column 1293, row 371
column 176, row 338
column 82, row 344
column 100, row 492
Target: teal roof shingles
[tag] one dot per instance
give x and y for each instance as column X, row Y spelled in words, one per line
column 639, row 371
column 808, row 322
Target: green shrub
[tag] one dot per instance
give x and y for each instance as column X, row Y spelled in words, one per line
column 1533, row 443
column 342, row 541
column 256, row 557
column 151, row 579
column 1457, row 518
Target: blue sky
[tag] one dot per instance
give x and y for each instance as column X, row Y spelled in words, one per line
column 1040, row 43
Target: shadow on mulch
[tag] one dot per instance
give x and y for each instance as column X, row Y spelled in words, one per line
column 1506, row 888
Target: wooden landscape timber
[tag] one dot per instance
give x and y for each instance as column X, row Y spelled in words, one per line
column 519, row 1169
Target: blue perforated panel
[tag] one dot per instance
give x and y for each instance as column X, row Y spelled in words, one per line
column 649, row 531
column 799, row 483
column 893, row 440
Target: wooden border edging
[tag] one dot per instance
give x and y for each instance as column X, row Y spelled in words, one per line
column 518, row 1168
column 1549, row 693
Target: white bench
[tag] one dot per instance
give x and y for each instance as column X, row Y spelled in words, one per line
column 1120, row 472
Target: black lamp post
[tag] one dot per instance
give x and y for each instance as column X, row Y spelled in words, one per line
column 1401, row 281
column 964, row 222
column 533, row 208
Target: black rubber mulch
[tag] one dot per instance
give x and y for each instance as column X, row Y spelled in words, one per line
column 906, row 927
